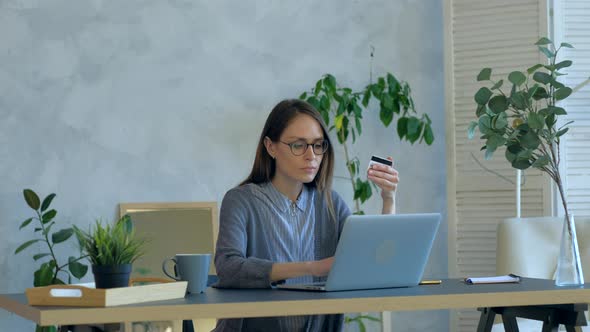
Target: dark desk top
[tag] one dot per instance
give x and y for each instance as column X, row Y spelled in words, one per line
column 228, row 303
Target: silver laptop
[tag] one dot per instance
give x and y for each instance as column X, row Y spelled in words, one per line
column 379, row 251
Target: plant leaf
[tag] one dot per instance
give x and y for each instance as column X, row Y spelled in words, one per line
column 485, row 124
column 428, row 134
column 484, row 74
column 481, row 110
column 77, row 269
column 561, row 132
column 519, row 100
column 25, row 223
column 533, row 68
column 43, row 276
column 547, row 52
column 47, row 202
column 48, row 216
column 540, row 93
column 62, row 235
column 330, row 82
column 521, row 164
column 402, row 127
column 562, row 93
column 25, row 245
column 39, row 256
column 386, row 115
column 483, row 95
column 563, row 64
column 471, row 129
column 500, row 121
column 541, row 162
column 544, row 41
column 530, row 140
column 32, row 199
column 357, row 123
column 338, row 121
column 517, row 78
column 536, row 121
column 498, row 104
column 366, row 97
column 566, row 45
column 413, row 129
column 541, row 77
column 497, row 85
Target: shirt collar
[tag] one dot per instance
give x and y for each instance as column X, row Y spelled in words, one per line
column 282, row 202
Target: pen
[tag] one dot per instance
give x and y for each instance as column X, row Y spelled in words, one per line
column 430, row 282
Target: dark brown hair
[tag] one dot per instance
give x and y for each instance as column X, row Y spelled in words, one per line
column 279, row 118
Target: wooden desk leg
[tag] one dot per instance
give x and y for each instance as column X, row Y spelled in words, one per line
column 486, row 320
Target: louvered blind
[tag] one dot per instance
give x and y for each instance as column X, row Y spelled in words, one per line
column 573, row 24
column 499, row 34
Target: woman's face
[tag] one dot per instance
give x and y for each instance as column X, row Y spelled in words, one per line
column 302, row 130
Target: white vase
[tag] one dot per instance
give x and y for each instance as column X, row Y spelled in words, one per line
column 569, row 267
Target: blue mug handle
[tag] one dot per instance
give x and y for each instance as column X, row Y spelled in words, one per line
column 164, row 268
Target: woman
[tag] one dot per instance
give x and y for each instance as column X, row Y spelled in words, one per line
column 283, row 222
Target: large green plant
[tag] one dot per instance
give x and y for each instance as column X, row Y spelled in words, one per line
column 111, row 244
column 343, row 109
column 50, row 272
column 524, row 118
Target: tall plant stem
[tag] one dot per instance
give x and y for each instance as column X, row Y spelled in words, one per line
column 357, row 205
column 57, row 268
column 563, row 201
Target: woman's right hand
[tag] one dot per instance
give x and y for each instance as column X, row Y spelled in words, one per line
column 322, row 267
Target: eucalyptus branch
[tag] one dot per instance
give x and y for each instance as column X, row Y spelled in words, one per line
column 532, row 140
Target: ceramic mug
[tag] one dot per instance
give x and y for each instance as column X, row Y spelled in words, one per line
column 193, row 268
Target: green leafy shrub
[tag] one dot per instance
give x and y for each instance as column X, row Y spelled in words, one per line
column 50, row 272
column 111, row 244
column 525, row 120
column 343, row 109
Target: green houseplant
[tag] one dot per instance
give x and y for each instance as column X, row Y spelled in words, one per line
column 51, row 271
column 111, row 249
column 343, row 110
column 524, row 120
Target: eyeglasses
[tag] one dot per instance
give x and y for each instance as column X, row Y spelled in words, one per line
column 299, row 147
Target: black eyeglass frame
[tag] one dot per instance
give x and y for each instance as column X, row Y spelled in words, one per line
column 325, row 147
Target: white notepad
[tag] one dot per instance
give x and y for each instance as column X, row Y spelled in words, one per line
column 510, row 278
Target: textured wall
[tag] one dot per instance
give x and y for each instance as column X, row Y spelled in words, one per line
column 127, row 101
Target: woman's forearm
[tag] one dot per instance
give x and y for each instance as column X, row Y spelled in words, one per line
column 282, row 271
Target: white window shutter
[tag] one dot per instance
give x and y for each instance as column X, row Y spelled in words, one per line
column 499, row 34
column 572, row 25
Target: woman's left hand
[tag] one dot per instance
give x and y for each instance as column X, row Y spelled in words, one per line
column 385, row 177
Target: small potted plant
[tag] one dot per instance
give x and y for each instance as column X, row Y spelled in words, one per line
column 111, row 249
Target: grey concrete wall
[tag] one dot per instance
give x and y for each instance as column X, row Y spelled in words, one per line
column 104, row 102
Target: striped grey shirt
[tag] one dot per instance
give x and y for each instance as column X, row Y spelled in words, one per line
column 259, row 226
